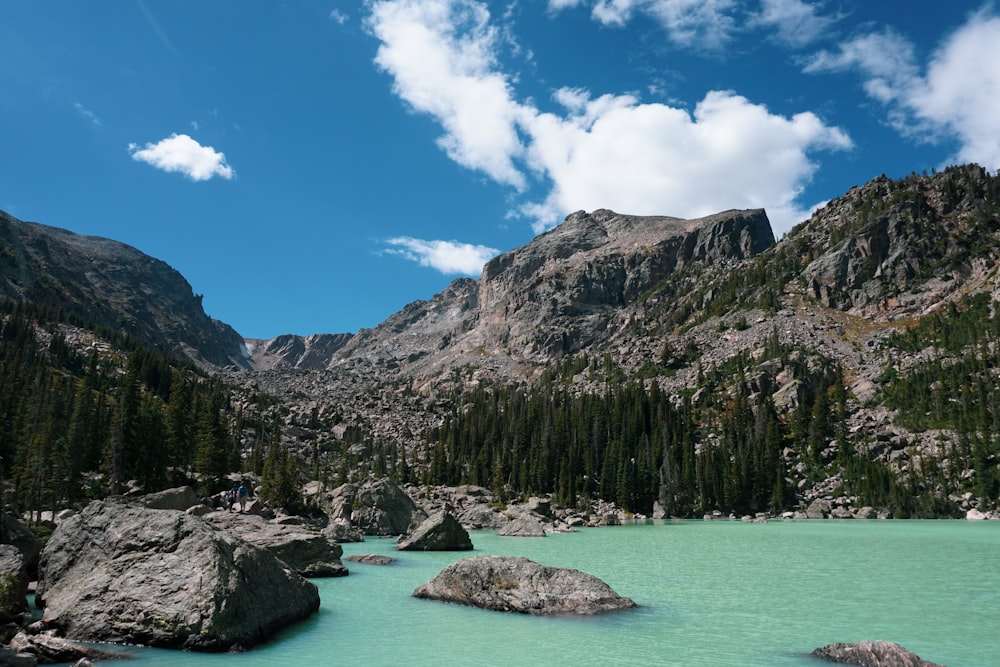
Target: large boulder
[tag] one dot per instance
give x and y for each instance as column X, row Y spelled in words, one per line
column 522, row 526
column 503, row 583
column 13, row 584
column 377, row 508
column 440, row 532
column 13, row 531
column 872, row 654
column 340, row 531
column 306, row 551
column 128, row 574
column 179, row 498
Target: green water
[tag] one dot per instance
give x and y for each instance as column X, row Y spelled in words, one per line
column 711, row 593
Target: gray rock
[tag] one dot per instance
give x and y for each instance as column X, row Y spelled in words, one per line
column 872, row 654
column 502, row 583
column 377, row 508
column 127, row 574
column 306, row 551
column 338, row 531
column 371, row 559
column 179, row 498
column 481, row 516
column 541, row 506
column 48, row 649
column 13, row 584
column 818, row 509
column 13, row 531
column 522, row 526
column 440, row 532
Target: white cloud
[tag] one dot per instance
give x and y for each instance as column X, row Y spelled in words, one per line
column 87, row 113
column 179, row 152
column 650, row 159
column 445, row 256
column 797, row 22
column 703, row 24
column 886, row 58
column 441, row 54
column 956, row 97
column 610, row 151
column 339, row 16
column 961, row 90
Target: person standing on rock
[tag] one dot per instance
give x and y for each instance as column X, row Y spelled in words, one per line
column 242, row 493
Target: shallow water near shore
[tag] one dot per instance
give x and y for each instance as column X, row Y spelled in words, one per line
column 710, row 593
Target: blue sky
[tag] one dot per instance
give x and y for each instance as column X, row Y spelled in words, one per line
column 312, row 167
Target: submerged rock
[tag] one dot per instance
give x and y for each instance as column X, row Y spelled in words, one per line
column 872, row 654
column 127, row 574
column 503, row 583
column 441, row 532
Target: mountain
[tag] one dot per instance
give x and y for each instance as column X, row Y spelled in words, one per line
column 566, row 290
column 848, row 369
column 114, row 285
column 853, row 362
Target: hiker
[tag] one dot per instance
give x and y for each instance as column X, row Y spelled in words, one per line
column 242, row 493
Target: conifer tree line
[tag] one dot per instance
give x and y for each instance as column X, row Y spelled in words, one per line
column 75, row 426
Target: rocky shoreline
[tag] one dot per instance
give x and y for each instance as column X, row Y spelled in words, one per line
column 172, row 570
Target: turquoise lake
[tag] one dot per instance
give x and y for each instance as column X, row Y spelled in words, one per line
column 710, row 593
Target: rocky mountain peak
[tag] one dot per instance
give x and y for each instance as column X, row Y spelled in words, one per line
column 554, row 296
column 113, row 285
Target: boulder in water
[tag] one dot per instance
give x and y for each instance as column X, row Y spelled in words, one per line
column 872, row 654
column 128, row 574
column 441, row 532
column 522, row 526
column 504, row 583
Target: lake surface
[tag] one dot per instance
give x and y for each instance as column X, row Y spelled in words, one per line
column 710, row 593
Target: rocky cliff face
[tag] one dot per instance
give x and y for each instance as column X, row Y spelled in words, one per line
column 561, row 293
column 113, row 285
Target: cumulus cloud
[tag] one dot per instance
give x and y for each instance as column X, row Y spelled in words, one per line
column 445, row 256
column 608, row 151
column 797, row 22
column 441, row 54
column 954, row 96
column 651, row 159
column 181, row 153
column 959, row 93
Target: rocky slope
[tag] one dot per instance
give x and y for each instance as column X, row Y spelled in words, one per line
column 113, row 285
column 561, row 293
column 678, row 301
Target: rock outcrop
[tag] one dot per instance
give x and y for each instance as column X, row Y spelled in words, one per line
column 501, row 583
column 114, row 285
column 522, row 526
column 371, row 559
column 872, row 654
column 376, row 508
column 440, row 532
column 306, row 551
column 126, row 574
column 13, row 584
column 180, row 498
